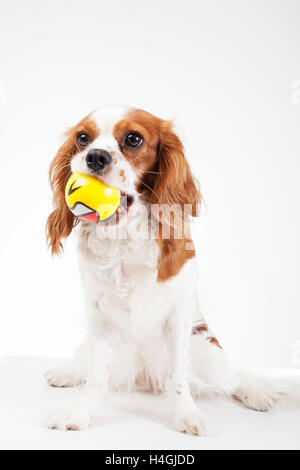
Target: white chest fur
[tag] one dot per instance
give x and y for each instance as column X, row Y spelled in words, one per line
column 120, row 276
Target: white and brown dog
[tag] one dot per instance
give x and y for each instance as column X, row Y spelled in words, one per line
column 139, row 275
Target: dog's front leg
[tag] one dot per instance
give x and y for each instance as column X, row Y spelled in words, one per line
column 99, row 356
column 185, row 416
column 86, row 403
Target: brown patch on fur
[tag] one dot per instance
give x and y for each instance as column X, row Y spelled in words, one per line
column 199, row 329
column 122, row 174
column 147, row 126
column 173, row 255
column 164, row 179
column 214, row 341
column 61, row 221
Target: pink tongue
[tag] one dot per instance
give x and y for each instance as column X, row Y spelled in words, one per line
column 92, row 217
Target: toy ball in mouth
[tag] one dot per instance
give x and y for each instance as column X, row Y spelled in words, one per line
column 90, row 199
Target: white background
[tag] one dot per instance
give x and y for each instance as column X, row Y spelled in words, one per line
column 227, row 72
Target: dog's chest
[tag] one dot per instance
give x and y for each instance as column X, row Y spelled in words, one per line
column 124, row 279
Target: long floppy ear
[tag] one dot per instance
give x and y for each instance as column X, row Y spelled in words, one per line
column 174, row 187
column 61, row 221
column 174, row 184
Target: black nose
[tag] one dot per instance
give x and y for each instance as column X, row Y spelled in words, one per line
column 98, row 159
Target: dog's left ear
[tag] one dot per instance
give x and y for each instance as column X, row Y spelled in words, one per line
column 61, row 221
column 174, row 184
column 174, row 199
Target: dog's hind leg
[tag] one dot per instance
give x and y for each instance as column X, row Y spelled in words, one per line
column 213, row 374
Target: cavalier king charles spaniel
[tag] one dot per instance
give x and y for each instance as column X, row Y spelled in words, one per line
column 145, row 329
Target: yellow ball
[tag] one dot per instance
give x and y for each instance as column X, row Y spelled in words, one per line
column 90, row 199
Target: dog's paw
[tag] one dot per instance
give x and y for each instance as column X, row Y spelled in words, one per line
column 67, row 421
column 193, row 423
column 255, row 399
column 63, row 378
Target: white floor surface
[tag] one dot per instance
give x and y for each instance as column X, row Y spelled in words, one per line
column 130, row 421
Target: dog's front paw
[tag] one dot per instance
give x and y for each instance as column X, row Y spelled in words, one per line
column 62, row 377
column 193, row 423
column 68, row 421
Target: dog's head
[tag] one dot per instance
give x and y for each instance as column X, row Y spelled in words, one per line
column 129, row 149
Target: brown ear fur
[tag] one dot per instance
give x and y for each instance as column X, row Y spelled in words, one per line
column 174, row 185
column 61, row 221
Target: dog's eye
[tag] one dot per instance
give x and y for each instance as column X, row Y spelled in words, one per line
column 133, row 140
column 83, row 140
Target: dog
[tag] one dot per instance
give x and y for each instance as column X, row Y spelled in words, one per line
column 145, row 329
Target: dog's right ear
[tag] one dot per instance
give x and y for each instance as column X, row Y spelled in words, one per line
column 61, row 221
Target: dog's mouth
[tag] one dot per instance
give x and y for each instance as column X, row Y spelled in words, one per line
column 88, row 214
column 126, row 202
